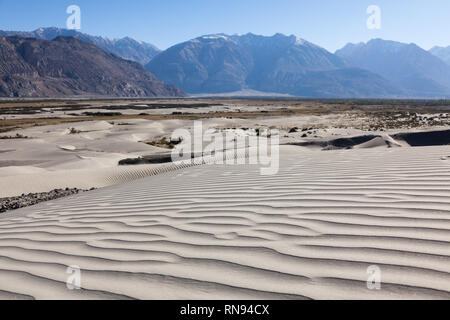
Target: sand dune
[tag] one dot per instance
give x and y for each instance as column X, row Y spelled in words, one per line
column 86, row 154
column 220, row 232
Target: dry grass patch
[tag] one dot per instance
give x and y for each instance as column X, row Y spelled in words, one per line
column 165, row 143
column 17, row 136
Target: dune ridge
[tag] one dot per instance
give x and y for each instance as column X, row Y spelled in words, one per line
column 227, row 232
column 37, row 180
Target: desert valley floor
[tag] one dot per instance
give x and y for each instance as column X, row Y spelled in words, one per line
column 176, row 231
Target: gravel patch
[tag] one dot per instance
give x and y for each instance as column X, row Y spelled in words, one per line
column 26, row 200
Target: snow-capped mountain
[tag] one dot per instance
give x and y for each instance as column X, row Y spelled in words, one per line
column 222, row 63
column 126, row 48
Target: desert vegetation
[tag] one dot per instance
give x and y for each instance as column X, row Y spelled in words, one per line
column 16, row 136
column 165, row 143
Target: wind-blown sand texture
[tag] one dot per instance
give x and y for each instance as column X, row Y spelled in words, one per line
column 86, row 154
column 216, row 232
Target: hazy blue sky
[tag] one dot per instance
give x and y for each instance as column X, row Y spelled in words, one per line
column 329, row 23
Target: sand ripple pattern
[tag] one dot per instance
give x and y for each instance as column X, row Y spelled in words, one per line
column 220, row 232
column 14, row 185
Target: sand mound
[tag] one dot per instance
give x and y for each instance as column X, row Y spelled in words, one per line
column 413, row 139
column 90, row 126
column 382, row 141
column 216, row 232
column 68, row 148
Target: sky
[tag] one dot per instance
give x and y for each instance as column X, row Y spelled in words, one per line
column 328, row 23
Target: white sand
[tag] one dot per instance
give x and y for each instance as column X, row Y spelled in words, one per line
column 84, row 160
column 215, row 232
column 55, row 158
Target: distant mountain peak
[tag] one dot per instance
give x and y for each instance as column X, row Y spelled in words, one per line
column 67, row 66
column 439, row 48
column 407, row 65
column 252, row 36
column 215, row 37
column 299, row 41
column 127, row 48
column 442, row 53
column 284, row 64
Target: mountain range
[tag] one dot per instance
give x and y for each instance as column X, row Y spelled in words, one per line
column 67, row 66
column 126, row 48
column 418, row 72
column 283, row 64
column 224, row 64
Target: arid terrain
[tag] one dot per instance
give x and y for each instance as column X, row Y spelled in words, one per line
column 360, row 183
column 78, row 144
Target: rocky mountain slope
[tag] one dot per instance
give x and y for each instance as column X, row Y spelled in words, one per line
column 417, row 71
column 126, row 48
column 283, row 64
column 69, row 67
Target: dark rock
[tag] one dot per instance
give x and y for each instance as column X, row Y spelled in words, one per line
column 25, row 200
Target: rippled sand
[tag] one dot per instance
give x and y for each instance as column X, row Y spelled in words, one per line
column 227, row 232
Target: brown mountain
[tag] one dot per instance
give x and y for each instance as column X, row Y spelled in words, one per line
column 67, row 66
column 126, row 48
column 221, row 63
